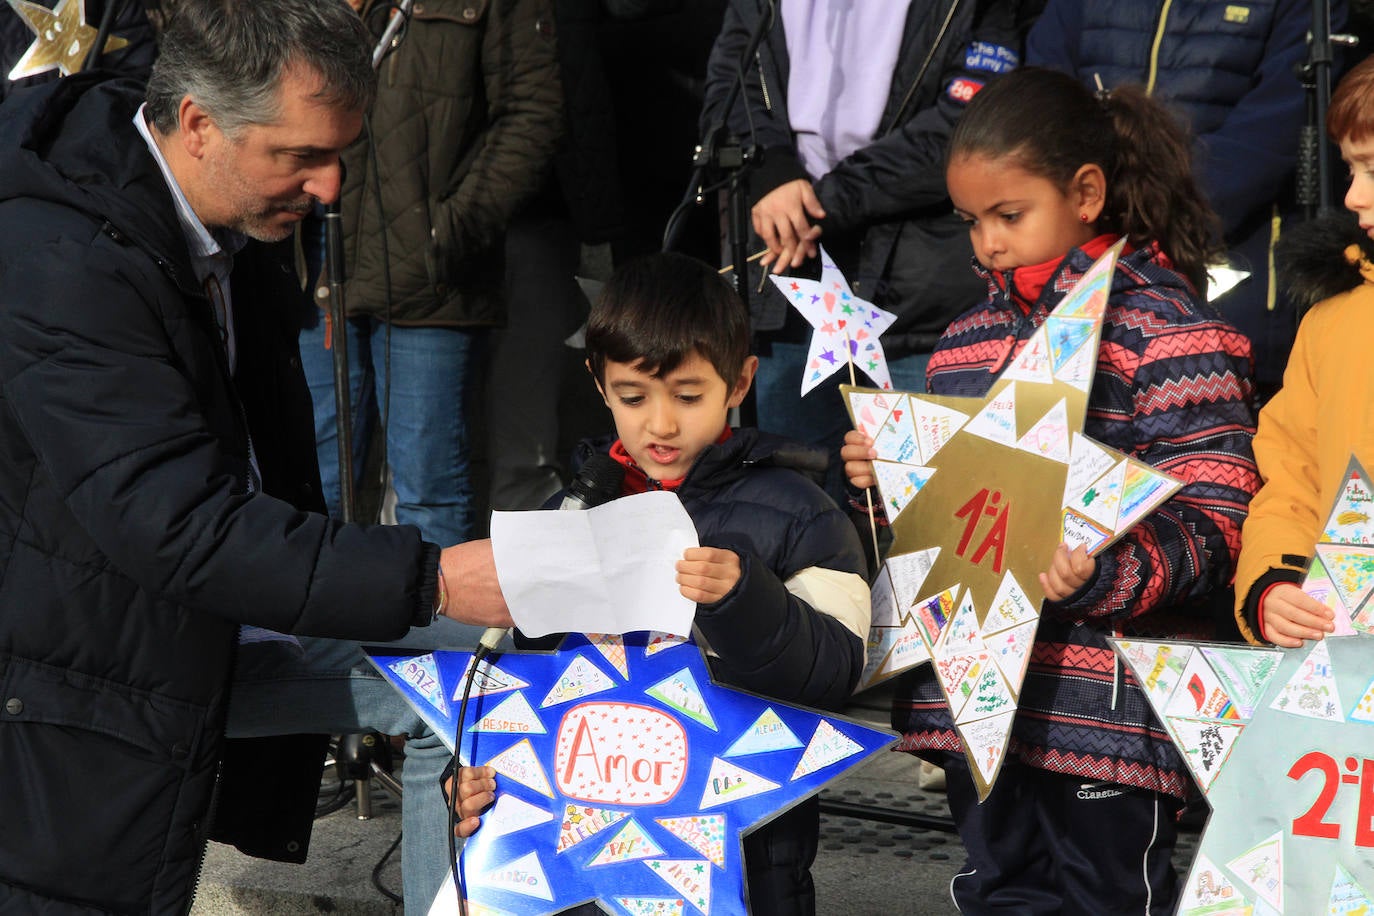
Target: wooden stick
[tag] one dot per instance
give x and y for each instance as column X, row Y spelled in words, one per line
column 752, row 258
column 868, row 491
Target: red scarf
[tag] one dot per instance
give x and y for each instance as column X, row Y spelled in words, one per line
column 636, row 481
column 1029, row 281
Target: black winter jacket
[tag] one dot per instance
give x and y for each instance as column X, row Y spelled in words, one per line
column 887, row 199
column 130, row 546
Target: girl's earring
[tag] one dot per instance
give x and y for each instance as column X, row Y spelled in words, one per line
column 1083, row 217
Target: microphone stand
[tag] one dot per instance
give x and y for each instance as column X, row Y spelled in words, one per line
column 338, row 314
column 719, row 153
column 1314, row 152
column 107, row 17
column 338, row 341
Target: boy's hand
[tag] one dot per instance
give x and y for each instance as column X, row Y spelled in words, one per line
column 476, row 793
column 1068, row 572
column 858, row 453
column 706, row 574
column 781, row 220
column 1289, row 615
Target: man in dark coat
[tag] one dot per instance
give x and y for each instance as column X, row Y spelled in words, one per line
column 157, row 470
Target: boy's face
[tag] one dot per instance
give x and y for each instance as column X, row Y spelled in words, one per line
column 1359, row 198
column 666, row 422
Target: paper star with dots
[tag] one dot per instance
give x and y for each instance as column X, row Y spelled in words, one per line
column 62, row 38
column 980, row 492
column 846, row 328
column 625, row 775
column 1281, row 741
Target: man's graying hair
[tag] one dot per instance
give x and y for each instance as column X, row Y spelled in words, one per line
column 229, row 56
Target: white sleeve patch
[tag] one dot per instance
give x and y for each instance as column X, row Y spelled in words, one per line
column 842, row 595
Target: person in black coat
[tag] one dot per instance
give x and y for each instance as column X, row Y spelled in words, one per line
column 158, row 486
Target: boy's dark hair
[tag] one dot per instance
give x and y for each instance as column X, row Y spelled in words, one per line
column 1351, row 115
column 656, row 310
column 1053, row 125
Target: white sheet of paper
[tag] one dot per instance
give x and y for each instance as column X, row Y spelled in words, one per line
column 610, row 569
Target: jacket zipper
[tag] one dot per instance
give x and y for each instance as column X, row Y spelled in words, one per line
column 1154, row 47
column 763, row 82
column 203, row 839
column 925, row 65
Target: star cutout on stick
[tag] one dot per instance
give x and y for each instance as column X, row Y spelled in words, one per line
column 980, row 492
column 1281, row 741
column 843, row 324
column 62, row 39
column 625, row 774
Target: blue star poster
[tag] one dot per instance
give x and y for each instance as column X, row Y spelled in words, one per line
column 624, row 774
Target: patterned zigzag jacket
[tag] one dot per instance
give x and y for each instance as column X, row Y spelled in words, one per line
column 1173, row 389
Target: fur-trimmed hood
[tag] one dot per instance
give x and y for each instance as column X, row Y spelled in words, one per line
column 1312, row 261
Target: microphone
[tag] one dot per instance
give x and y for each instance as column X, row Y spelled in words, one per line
column 597, row 481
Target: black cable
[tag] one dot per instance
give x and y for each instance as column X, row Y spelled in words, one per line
column 341, row 798
column 680, row 211
column 377, row 873
column 477, row 658
column 384, row 408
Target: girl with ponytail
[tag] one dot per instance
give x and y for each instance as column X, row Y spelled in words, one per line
column 1048, row 176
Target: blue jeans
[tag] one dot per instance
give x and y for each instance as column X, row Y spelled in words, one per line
column 820, row 418
column 333, row 689
column 432, row 371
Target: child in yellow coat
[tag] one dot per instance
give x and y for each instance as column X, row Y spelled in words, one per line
column 1325, row 411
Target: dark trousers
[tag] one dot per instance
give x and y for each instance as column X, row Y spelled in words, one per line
column 1047, row 843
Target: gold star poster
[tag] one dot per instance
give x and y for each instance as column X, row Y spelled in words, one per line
column 979, row 493
column 62, row 38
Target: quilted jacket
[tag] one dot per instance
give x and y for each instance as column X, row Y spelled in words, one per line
column 468, row 112
column 1172, row 389
column 1227, row 67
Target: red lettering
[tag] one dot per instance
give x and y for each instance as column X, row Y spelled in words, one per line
column 973, row 513
column 996, row 540
column 581, row 738
column 1364, row 834
column 1311, row 823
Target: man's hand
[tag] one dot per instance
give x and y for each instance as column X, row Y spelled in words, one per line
column 474, row 595
column 476, row 793
column 1068, row 572
column 706, row 574
column 780, row 219
column 1289, row 615
column 858, row 453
